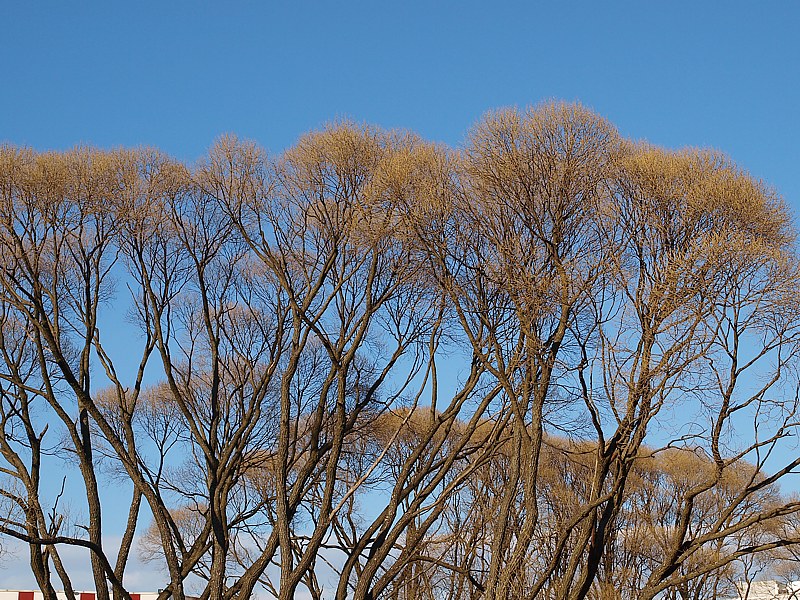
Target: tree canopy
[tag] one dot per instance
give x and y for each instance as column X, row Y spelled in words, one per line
column 551, row 363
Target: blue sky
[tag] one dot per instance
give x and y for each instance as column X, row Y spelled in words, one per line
column 176, row 74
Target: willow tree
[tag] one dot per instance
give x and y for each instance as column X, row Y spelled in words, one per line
column 60, row 216
column 622, row 295
column 391, row 369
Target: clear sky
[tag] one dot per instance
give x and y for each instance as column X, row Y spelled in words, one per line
column 177, row 74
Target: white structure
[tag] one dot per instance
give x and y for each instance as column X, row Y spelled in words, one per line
column 764, row 590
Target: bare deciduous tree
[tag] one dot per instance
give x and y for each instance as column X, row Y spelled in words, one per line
column 618, row 325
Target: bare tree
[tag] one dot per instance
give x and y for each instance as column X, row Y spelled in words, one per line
column 620, row 323
column 60, row 216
